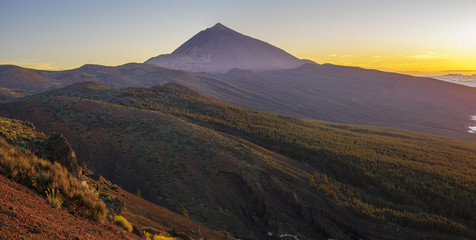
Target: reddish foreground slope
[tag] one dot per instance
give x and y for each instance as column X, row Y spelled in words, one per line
column 26, row 215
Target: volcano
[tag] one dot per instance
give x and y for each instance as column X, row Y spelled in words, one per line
column 219, row 49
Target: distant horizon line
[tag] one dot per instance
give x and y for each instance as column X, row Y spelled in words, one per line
column 437, row 72
column 458, row 70
column 47, row 67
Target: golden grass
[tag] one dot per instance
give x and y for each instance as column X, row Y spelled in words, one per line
column 122, row 222
column 44, row 176
column 54, row 198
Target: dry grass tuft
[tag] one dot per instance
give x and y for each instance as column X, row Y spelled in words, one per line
column 44, row 176
column 54, row 198
column 122, row 221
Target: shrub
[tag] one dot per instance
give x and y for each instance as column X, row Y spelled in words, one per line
column 184, row 211
column 97, row 211
column 151, row 230
column 149, row 236
column 54, row 198
column 122, row 222
column 106, row 197
column 44, row 176
column 160, row 237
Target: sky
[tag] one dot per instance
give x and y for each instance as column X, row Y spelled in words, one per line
column 410, row 36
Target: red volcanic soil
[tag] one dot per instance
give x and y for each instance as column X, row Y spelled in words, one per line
column 26, row 215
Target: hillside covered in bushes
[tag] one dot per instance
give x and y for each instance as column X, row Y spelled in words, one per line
column 262, row 170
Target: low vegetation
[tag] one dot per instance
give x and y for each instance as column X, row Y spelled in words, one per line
column 122, row 222
column 154, row 234
column 412, row 179
column 54, row 197
column 375, row 208
column 17, row 138
column 159, row 237
column 386, row 175
column 184, row 211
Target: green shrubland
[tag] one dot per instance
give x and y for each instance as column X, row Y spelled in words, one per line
column 387, row 175
column 415, row 180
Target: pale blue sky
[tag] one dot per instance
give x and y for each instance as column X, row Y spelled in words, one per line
column 383, row 34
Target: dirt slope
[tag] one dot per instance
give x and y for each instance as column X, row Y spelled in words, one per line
column 140, row 212
column 26, row 215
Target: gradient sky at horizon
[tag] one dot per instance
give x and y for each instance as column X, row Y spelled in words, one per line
column 402, row 36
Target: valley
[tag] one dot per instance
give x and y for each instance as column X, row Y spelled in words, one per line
column 261, row 170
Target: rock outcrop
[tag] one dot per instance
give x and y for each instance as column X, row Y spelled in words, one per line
column 62, row 152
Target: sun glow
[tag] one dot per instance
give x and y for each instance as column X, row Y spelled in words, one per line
column 414, row 63
column 408, row 36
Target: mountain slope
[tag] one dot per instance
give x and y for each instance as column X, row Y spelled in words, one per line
column 18, row 78
column 231, row 183
column 7, row 95
column 219, row 180
column 325, row 92
column 23, row 212
column 149, row 216
column 355, row 95
column 25, row 215
column 219, row 49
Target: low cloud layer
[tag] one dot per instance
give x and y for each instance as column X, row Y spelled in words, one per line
column 468, row 80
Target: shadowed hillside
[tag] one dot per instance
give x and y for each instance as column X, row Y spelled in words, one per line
column 312, row 91
column 56, row 175
column 245, row 175
column 219, row 179
column 25, row 213
column 355, row 95
column 7, row 95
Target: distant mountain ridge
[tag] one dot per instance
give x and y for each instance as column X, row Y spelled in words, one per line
column 219, row 49
column 293, row 87
column 14, row 77
column 313, row 91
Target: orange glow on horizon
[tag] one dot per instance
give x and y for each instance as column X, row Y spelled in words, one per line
column 413, row 63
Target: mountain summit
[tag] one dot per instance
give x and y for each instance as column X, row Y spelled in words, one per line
column 219, row 49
